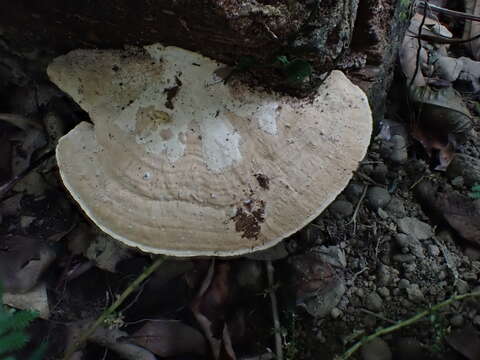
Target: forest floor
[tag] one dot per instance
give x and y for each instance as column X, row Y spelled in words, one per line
column 400, row 238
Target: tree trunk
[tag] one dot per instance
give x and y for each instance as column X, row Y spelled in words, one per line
column 358, row 36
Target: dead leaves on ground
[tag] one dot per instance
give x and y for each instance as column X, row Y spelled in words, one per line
column 459, row 211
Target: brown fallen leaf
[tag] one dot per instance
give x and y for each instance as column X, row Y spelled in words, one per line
column 462, row 214
column 442, row 120
column 22, row 262
column 210, row 308
column 466, row 341
column 459, row 211
column 168, row 338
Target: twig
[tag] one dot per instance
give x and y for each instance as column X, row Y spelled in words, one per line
column 419, row 50
column 276, row 321
column 404, row 323
column 357, row 207
column 5, row 188
column 107, row 312
column 448, row 12
column 377, row 316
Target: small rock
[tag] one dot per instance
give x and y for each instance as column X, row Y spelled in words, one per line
column 379, row 173
column 26, row 221
column 415, row 294
column 396, row 208
column 457, row 320
column 377, row 197
column 411, row 244
column 384, row 292
column 341, row 209
column 476, row 320
column 374, row 302
column 324, row 302
column 457, row 182
column 414, row 227
column 433, row 250
column 399, row 153
column 332, row 255
column 466, row 166
column 469, row 276
column 442, row 275
column 336, row 313
column 462, row 286
column 377, row 349
column 353, row 192
column 383, row 275
column 403, row 284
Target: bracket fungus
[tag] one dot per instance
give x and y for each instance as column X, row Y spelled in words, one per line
column 179, row 163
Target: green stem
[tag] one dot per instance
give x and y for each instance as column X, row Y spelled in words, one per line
column 107, row 312
column 405, row 323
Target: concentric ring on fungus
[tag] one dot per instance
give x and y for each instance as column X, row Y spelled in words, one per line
column 177, row 162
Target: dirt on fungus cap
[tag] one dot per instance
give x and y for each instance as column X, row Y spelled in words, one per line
column 177, row 162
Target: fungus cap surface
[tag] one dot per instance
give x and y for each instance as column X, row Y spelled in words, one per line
column 179, row 163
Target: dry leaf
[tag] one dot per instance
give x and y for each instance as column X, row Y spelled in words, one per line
column 466, row 342
column 168, row 338
column 210, row 307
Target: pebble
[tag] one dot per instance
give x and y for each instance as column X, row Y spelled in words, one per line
column 383, row 275
column 462, row 286
column 336, row 313
column 384, row 292
column 457, row 182
column 379, row 173
column 442, row 275
column 396, row 208
column 399, row 152
column 377, row 349
column 476, row 320
column 433, row 250
column 415, row 228
column 403, row 284
column 457, row 320
column 469, row 276
column 374, row 302
column 415, row 294
column 341, row 209
column 353, row 192
column 377, row 197
column 466, row 166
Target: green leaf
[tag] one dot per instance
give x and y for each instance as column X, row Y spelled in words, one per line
column 13, row 341
column 282, row 61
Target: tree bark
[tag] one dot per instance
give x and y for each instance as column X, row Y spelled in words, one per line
column 358, row 36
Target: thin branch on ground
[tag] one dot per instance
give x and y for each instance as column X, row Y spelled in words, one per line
column 404, row 323
column 357, row 208
column 276, row 319
column 5, row 188
column 419, row 40
column 366, row 311
column 107, row 312
column 448, row 12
